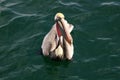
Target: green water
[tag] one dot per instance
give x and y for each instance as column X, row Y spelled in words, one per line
column 24, row 23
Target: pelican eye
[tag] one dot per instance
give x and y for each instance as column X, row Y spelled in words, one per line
column 58, row 19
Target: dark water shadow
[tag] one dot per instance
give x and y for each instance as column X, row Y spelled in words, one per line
column 53, row 62
column 56, row 62
column 53, row 68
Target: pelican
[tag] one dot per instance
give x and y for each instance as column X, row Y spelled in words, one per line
column 58, row 42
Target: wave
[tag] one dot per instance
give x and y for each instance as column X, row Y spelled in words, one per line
column 70, row 3
column 110, row 3
column 17, row 15
column 12, row 4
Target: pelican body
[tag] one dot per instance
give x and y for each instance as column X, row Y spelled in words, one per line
column 58, row 42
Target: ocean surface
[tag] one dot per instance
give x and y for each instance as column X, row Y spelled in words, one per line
column 96, row 34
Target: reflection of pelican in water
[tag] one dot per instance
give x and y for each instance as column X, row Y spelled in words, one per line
column 58, row 43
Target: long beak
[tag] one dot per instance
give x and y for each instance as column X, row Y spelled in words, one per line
column 65, row 31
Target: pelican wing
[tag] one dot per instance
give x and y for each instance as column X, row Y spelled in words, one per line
column 50, row 41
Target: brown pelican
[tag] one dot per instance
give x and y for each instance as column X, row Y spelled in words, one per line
column 58, row 43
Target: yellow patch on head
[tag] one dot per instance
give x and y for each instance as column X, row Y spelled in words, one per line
column 61, row 15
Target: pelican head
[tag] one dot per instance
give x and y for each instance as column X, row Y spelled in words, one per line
column 59, row 16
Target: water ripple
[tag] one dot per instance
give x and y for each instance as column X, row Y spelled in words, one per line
column 112, row 18
column 74, row 78
column 108, row 69
column 111, row 3
column 89, row 60
column 70, row 4
column 2, row 1
column 32, row 36
column 4, row 78
column 103, row 38
column 7, row 23
column 18, row 42
column 12, row 4
column 22, row 14
column 19, row 15
column 34, row 68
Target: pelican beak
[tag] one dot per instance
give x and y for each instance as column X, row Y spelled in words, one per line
column 62, row 30
column 62, row 27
